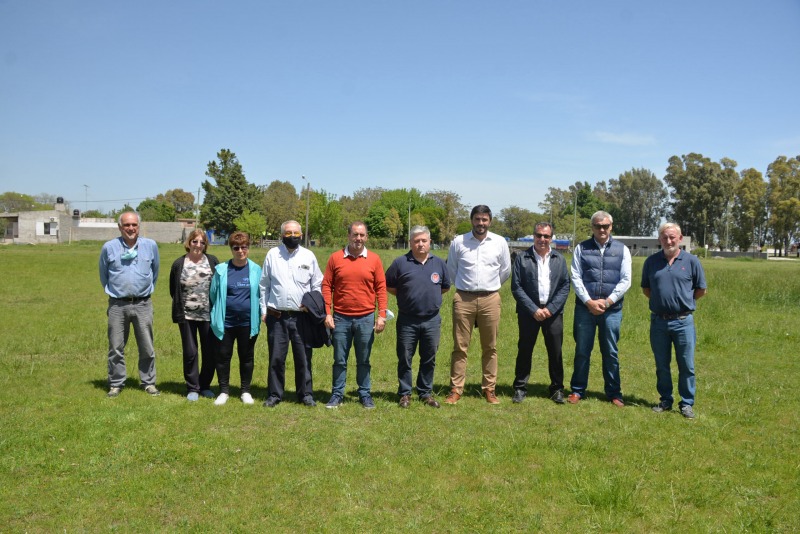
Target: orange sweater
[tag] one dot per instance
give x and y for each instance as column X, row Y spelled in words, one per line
column 353, row 285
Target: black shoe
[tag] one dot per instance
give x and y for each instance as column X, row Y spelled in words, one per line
column 662, row 406
column 308, row 400
column 271, row 401
column 519, row 396
column 558, row 397
column 367, row 402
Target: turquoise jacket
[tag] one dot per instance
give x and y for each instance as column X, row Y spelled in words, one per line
column 218, row 295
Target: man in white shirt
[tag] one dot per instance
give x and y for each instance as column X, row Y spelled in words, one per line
column 290, row 271
column 478, row 263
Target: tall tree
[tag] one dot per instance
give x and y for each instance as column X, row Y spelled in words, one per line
column 750, row 210
column 153, row 210
column 182, row 201
column 518, row 221
column 230, row 197
column 253, row 224
column 326, row 225
column 783, row 196
column 638, row 201
column 280, row 203
column 454, row 212
column 11, row 201
column 700, row 193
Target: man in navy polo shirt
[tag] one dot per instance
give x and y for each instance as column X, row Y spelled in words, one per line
column 673, row 280
column 418, row 280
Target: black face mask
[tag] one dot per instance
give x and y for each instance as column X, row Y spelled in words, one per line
column 291, row 242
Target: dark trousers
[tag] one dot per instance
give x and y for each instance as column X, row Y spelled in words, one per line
column 411, row 331
column 224, row 350
column 197, row 379
column 553, row 330
column 280, row 333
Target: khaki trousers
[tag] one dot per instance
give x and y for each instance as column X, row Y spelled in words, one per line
column 482, row 308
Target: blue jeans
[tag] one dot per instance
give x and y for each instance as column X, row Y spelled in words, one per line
column 349, row 331
column 410, row 331
column 607, row 326
column 663, row 335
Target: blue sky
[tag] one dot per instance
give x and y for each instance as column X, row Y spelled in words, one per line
column 494, row 100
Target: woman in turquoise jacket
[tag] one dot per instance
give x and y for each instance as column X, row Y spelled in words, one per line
column 235, row 315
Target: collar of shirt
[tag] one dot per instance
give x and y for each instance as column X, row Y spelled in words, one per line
column 542, row 258
column 347, row 252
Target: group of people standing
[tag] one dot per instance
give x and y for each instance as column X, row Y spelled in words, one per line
column 219, row 304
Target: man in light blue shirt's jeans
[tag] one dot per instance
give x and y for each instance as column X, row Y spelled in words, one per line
column 128, row 273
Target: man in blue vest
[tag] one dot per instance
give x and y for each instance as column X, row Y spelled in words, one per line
column 601, row 274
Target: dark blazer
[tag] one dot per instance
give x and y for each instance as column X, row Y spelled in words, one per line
column 311, row 325
column 525, row 283
column 175, row 291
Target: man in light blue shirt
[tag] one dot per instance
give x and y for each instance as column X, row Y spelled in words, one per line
column 128, row 272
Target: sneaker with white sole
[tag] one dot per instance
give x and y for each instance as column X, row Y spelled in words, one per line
column 114, row 392
column 152, row 391
column 221, row 399
column 247, row 398
column 193, row 396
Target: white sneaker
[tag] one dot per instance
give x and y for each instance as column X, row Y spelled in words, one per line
column 247, row 398
column 221, row 399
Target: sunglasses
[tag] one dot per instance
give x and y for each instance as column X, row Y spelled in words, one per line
column 543, row 236
column 292, row 234
column 198, row 242
column 602, row 226
column 237, row 248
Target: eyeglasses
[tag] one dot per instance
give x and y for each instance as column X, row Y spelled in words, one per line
column 237, row 248
column 198, row 242
column 601, row 226
column 292, row 234
column 543, row 236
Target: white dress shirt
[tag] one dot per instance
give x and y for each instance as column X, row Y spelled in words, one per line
column 476, row 265
column 287, row 276
column 543, row 275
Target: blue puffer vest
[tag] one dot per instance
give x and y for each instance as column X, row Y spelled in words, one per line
column 601, row 272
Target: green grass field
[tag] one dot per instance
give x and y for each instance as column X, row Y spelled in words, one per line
column 71, row 459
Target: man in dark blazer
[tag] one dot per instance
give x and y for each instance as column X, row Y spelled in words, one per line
column 540, row 285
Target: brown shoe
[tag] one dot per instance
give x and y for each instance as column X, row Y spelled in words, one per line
column 405, row 400
column 619, row 403
column 491, row 398
column 574, row 398
column 430, row 401
column 452, row 397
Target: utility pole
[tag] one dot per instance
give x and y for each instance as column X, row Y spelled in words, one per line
column 86, row 198
column 308, row 199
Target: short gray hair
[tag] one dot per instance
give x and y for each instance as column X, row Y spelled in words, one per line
column 420, row 229
column 599, row 215
column 283, row 226
column 138, row 217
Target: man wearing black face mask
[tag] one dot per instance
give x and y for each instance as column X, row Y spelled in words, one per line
column 289, row 272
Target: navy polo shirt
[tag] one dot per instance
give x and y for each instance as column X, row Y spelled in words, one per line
column 672, row 286
column 419, row 285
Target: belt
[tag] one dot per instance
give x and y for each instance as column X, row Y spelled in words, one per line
column 280, row 313
column 672, row 316
column 132, row 300
column 478, row 293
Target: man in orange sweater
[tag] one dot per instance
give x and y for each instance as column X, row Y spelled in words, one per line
column 353, row 282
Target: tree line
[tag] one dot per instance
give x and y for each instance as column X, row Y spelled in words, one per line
column 713, row 202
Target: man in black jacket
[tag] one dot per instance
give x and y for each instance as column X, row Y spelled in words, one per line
column 540, row 285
